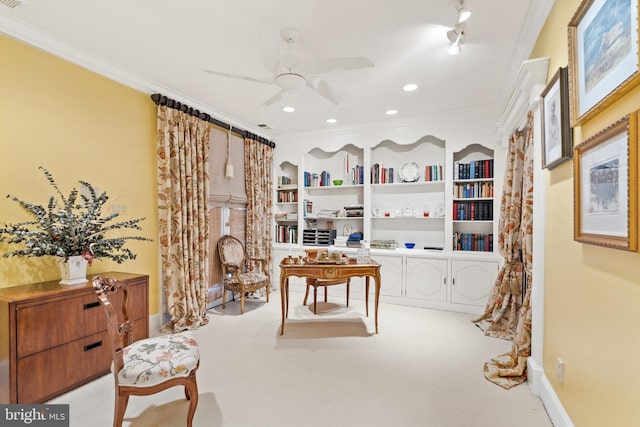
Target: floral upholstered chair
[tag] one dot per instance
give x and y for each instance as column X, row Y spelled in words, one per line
column 241, row 273
column 149, row 365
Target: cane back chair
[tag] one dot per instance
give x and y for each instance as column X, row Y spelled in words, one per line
column 240, row 272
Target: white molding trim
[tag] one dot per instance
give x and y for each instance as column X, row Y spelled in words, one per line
column 18, row 30
column 541, row 387
column 155, row 323
column 531, row 80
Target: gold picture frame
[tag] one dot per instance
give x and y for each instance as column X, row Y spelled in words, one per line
column 605, row 176
column 556, row 137
column 603, row 55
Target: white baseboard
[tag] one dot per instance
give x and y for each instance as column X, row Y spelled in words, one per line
column 155, row 323
column 541, row 387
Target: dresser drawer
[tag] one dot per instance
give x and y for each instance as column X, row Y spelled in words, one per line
column 54, row 323
column 48, row 373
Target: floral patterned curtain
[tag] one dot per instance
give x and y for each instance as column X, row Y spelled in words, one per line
column 509, row 369
column 258, row 162
column 183, row 187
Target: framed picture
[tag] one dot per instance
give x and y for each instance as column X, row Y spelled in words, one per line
column 605, row 169
column 557, row 139
column 603, row 55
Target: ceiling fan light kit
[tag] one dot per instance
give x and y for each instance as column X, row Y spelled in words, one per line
column 290, row 82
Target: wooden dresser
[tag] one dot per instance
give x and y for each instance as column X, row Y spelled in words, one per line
column 53, row 338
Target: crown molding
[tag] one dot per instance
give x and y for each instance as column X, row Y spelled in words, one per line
column 21, row 31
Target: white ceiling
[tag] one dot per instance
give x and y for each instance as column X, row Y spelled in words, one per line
column 163, row 46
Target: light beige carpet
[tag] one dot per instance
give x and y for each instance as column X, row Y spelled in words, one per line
column 330, row 369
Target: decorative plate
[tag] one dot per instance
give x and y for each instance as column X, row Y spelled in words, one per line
column 409, row 171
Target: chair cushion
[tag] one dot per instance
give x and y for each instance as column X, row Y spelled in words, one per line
column 251, row 281
column 154, row 360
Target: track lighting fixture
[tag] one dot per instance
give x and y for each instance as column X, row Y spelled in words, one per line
column 463, row 12
column 456, row 35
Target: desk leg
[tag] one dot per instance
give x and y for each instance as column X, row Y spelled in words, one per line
column 366, row 294
column 284, row 282
column 378, row 286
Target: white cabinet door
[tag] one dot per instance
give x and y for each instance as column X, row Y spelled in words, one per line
column 472, row 281
column 391, row 273
column 426, row 279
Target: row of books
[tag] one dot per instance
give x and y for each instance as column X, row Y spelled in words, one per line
column 477, row 169
column 283, row 180
column 323, row 179
column 472, row 190
column 478, row 242
column 286, row 234
column 433, row 173
column 473, row 211
column 289, row 196
column 381, row 175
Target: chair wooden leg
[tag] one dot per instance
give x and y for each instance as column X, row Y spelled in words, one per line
column 120, row 408
column 325, row 294
column 267, row 293
column 191, row 391
column 315, row 298
column 348, row 293
column 306, row 294
column 224, row 297
column 241, row 302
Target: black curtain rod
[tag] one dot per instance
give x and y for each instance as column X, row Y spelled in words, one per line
column 163, row 100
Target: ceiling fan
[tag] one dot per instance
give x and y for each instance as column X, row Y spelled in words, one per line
column 291, row 73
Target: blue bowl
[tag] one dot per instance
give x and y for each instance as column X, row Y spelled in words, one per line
column 409, row 245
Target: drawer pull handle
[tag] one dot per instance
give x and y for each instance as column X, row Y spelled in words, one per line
column 92, row 346
column 91, row 305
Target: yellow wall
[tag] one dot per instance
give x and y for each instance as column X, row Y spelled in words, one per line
column 80, row 126
column 592, row 294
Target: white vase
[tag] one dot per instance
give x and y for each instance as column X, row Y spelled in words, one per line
column 73, row 271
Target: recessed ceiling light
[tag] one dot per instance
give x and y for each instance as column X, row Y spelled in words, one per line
column 410, row 87
column 288, row 109
column 391, row 112
column 331, row 121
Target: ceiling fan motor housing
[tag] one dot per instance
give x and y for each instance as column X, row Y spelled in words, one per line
column 290, row 82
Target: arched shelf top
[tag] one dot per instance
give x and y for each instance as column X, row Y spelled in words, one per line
column 319, row 153
column 474, row 148
column 398, row 147
column 287, row 164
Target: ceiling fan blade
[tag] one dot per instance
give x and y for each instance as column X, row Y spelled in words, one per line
column 322, row 88
column 275, row 98
column 320, row 66
column 238, row 76
column 271, row 49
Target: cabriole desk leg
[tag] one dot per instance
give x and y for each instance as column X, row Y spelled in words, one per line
column 378, row 286
column 284, row 282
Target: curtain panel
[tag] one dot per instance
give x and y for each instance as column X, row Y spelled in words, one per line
column 259, row 185
column 183, row 187
column 509, row 369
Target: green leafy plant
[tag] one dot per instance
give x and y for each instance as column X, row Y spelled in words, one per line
column 69, row 226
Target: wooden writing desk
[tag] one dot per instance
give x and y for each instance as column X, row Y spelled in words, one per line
column 328, row 271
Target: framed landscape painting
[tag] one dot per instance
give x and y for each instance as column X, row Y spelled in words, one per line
column 603, row 55
column 557, row 138
column 606, row 187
